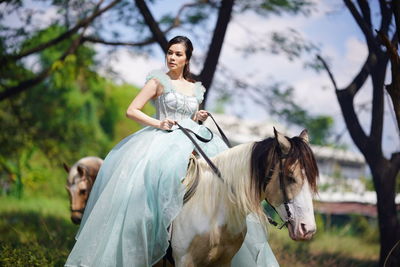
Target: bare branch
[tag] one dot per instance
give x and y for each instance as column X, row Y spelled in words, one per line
column 101, row 41
column 367, row 31
column 328, row 70
column 396, row 12
column 214, row 51
column 386, row 16
column 359, row 80
column 366, row 11
column 158, row 35
column 394, row 88
column 345, row 98
column 22, row 86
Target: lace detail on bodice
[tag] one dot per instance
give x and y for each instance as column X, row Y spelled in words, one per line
column 173, row 104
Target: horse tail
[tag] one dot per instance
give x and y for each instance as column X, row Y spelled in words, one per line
column 191, row 179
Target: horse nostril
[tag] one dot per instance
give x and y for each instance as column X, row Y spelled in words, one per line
column 303, row 228
column 307, row 231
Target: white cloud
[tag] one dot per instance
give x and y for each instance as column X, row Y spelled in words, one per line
column 132, row 68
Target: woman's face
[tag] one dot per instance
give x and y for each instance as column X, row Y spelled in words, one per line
column 176, row 57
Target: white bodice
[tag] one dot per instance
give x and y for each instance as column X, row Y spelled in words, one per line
column 173, row 104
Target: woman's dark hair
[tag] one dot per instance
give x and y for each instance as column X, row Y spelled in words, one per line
column 189, row 49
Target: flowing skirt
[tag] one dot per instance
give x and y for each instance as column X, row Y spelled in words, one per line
column 136, row 195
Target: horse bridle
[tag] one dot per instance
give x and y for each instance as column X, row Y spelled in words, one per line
column 283, row 190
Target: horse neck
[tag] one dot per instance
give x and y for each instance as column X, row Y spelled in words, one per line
column 224, row 201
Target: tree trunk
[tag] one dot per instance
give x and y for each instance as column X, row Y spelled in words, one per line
column 385, row 179
column 210, row 64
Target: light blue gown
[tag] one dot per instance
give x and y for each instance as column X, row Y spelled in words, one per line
column 138, row 192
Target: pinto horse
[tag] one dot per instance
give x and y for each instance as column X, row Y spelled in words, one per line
column 211, row 226
column 81, row 177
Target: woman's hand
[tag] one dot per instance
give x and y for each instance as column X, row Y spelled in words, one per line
column 166, row 124
column 201, row 115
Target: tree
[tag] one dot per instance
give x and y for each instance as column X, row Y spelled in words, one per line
column 74, row 113
column 79, row 18
column 89, row 17
column 384, row 170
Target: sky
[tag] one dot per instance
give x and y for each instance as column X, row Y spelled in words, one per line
column 330, row 26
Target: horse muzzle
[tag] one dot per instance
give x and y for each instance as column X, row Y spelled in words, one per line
column 76, row 216
column 301, row 231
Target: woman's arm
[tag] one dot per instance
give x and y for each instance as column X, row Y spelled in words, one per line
column 149, row 91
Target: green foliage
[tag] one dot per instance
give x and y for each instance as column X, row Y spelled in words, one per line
column 112, row 117
column 291, row 44
column 47, row 56
column 74, row 113
column 17, row 169
column 319, row 127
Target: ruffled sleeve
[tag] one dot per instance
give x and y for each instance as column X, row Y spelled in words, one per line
column 162, row 77
column 199, row 91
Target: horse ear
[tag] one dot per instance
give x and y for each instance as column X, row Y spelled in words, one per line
column 304, row 135
column 66, row 168
column 82, row 170
column 283, row 142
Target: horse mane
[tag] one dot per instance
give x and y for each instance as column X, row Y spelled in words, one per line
column 192, row 179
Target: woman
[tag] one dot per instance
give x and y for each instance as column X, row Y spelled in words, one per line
column 138, row 190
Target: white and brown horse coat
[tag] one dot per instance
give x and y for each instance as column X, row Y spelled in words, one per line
column 211, row 227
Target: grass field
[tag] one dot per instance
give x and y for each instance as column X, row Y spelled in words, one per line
column 36, row 231
column 326, row 249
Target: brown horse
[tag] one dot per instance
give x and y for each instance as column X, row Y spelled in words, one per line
column 81, row 177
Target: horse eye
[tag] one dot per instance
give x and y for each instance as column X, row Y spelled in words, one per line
column 82, row 191
column 291, row 180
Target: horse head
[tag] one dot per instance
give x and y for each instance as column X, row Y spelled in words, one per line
column 289, row 179
column 79, row 184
